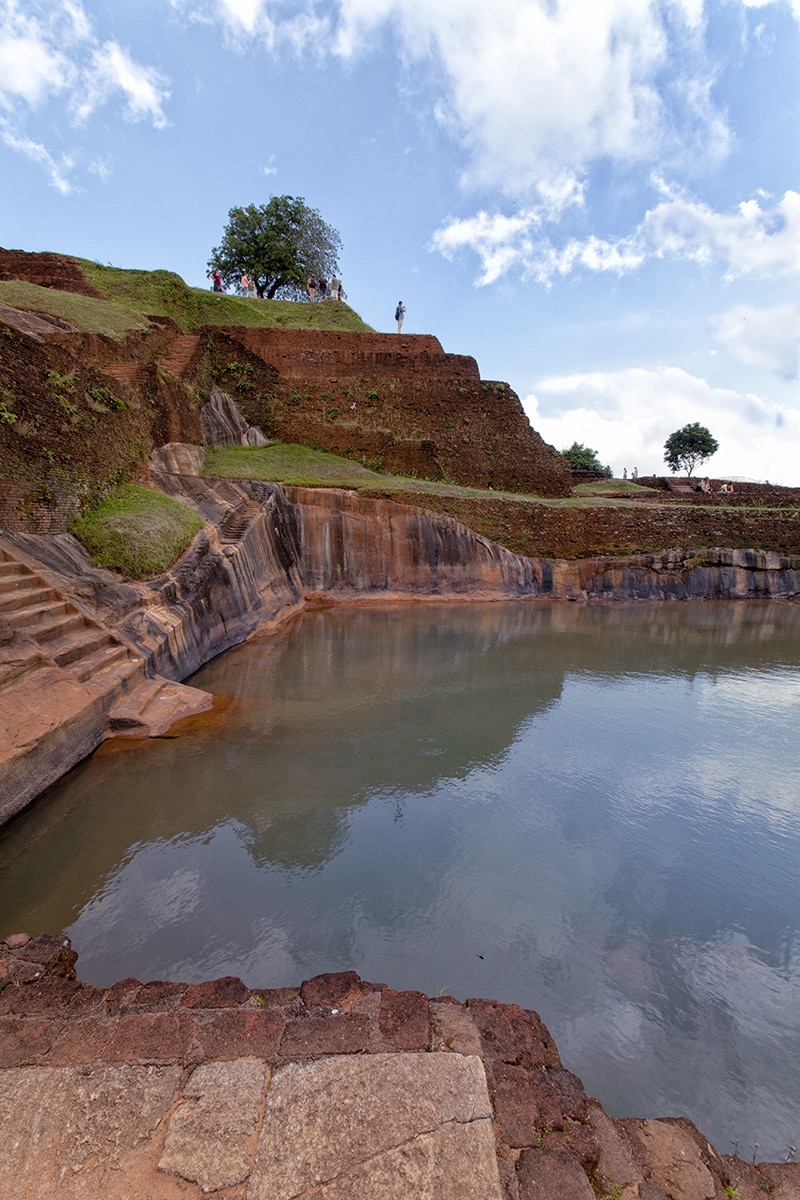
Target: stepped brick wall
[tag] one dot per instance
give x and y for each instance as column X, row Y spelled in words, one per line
column 325, row 354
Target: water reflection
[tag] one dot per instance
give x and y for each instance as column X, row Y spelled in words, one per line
column 592, row 812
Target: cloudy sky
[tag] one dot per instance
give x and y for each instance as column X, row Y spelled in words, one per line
column 598, row 199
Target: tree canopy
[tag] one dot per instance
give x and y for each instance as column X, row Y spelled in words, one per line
column 278, row 244
column 686, row 448
column 582, row 458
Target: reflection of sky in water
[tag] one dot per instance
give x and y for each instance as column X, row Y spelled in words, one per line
column 593, row 813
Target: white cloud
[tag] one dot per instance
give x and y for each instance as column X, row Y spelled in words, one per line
column 537, row 92
column 111, row 69
column 750, row 241
column 761, row 337
column 49, row 53
column 792, row 5
column 627, row 415
column 58, row 170
column 30, row 68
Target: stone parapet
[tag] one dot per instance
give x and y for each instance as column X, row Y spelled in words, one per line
column 337, row 1087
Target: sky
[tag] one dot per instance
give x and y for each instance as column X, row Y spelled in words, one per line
column 597, row 199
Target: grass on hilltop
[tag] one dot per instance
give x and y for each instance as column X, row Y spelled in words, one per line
column 84, row 312
column 163, row 293
column 301, row 466
column 133, row 296
column 136, row 531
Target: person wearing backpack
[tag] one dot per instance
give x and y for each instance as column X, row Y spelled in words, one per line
column 399, row 314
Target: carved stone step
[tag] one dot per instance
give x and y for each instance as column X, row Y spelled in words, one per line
column 23, row 597
column 47, row 630
column 32, row 617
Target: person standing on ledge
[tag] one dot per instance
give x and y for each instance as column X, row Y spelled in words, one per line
column 399, row 314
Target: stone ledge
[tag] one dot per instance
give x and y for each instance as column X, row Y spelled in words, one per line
column 340, row 1086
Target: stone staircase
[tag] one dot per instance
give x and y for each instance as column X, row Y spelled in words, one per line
column 123, row 371
column 180, row 352
column 74, row 642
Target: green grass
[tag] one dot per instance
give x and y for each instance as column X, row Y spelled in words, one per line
column 133, row 296
column 136, row 531
column 613, row 487
column 163, row 293
column 84, row 312
column 300, row 466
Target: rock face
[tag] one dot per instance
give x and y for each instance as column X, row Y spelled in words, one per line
column 264, row 553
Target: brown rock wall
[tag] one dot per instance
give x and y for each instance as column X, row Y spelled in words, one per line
column 326, row 354
column 47, row 270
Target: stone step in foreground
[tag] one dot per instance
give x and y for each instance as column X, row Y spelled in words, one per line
column 336, row 1089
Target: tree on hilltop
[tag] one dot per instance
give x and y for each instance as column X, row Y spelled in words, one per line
column 582, row 458
column 686, row 448
column 278, row 244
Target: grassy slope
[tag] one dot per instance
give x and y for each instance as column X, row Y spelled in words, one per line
column 163, row 293
column 137, row 531
column 132, row 296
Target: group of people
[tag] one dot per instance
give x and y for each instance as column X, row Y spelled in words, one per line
column 705, row 486
column 321, row 289
column 318, row 289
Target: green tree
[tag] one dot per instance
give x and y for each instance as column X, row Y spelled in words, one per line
column 279, row 245
column 582, row 458
column 686, row 448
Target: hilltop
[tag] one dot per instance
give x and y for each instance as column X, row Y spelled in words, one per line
column 99, row 366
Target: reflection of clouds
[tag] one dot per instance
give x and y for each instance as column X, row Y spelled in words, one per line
column 754, row 693
column 762, row 1000
column 145, row 894
column 615, row 1024
column 173, row 897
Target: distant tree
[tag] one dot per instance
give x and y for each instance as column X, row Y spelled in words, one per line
column 686, row 448
column 278, row 244
column 582, row 458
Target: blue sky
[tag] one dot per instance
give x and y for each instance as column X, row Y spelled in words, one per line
column 598, row 199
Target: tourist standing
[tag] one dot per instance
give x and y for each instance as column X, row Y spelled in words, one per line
column 216, row 281
column 399, row 315
column 312, row 289
column 322, row 287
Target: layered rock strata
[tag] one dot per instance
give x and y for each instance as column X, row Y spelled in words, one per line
column 265, row 552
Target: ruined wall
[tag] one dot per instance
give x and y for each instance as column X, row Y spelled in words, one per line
column 395, row 404
column 327, row 354
column 46, row 270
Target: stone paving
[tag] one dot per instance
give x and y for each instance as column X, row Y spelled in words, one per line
column 333, row 1090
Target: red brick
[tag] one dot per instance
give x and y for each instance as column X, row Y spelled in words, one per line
column 81, row 1042
column 156, row 996
column 26, row 1040
column 332, row 989
column 40, row 996
column 312, row 1037
column 228, row 992
column 404, row 1019
column 546, row 1174
column 242, row 1034
column 153, row 1036
column 510, row 1034
column 119, row 994
column 516, row 1117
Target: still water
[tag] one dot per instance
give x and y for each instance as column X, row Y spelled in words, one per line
column 590, row 811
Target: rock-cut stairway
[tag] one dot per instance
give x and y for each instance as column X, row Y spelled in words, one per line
column 74, row 642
